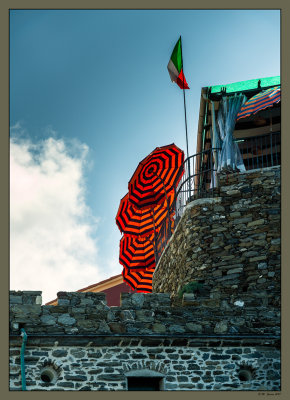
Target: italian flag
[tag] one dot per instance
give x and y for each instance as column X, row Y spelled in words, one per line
column 175, row 67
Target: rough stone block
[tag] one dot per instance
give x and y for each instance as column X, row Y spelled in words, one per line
column 15, row 299
column 116, row 327
column 48, row 319
column 144, row 315
column 176, row 329
column 192, row 327
column 66, row 319
column 59, row 353
column 158, row 328
column 221, row 327
column 259, row 258
column 235, row 271
column 256, row 223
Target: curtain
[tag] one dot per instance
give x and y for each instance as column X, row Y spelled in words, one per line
column 229, row 157
column 216, row 144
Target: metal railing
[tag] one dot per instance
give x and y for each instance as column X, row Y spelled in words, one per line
column 196, row 182
column 200, row 178
column 261, row 151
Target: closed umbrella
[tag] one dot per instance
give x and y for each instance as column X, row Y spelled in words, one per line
column 156, row 175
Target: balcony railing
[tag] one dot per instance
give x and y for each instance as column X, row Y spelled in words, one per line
column 200, row 182
column 195, row 183
column 261, row 151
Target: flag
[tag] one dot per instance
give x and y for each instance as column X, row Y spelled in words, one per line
column 175, row 67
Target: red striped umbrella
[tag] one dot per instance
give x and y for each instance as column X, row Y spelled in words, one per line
column 133, row 221
column 141, row 281
column 137, row 253
column 260, row 102
column 156, row 175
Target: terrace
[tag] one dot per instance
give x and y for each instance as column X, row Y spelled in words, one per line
column 258, row 138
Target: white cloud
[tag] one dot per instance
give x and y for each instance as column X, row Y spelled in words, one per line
column 52, row 244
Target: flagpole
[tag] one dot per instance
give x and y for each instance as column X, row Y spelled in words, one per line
column 184, row 103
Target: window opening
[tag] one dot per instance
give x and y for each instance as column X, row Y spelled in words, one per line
column 46, row 376
column 144, row 383
column 49, row 374
column 245, row 375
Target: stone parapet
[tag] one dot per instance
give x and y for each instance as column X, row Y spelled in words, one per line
column 80, row 313
column 25, row 297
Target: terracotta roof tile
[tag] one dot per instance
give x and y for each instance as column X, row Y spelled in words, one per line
column 90, row 286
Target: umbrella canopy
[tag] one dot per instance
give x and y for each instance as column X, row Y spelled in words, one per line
column 133, row 221
column 137, row 253
column 141, row 281
column 260, row 101
column 156, row 175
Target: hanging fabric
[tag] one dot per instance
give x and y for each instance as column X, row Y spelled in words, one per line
column 230, row 158
column 216, row 144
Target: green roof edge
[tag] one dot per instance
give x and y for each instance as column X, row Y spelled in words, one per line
column 246, row 85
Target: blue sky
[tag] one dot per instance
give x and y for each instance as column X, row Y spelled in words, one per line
column 90, row 97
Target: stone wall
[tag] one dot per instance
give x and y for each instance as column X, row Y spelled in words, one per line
column 226, row 337
column 147, row 314
column 179, row 367
column 230, row 244
column 83, row 344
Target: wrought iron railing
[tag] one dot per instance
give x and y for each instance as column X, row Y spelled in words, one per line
column 261, row 151
column 200, row 178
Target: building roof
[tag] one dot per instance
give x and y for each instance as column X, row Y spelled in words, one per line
column 242, row 86
column 97, row 287
column 112, row 281
column 246, row 85
column 249, row 87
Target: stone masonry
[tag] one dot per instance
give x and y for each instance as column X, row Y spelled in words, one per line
column 225, row 337
column 86, row 345
column 230, row 244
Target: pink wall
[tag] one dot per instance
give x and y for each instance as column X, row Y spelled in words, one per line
column 113, row 293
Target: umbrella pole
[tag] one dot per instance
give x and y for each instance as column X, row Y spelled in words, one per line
column 154, row 235
column 167, row 203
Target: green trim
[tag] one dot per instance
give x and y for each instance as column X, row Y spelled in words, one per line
column 246, row 85
column 22, row 362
